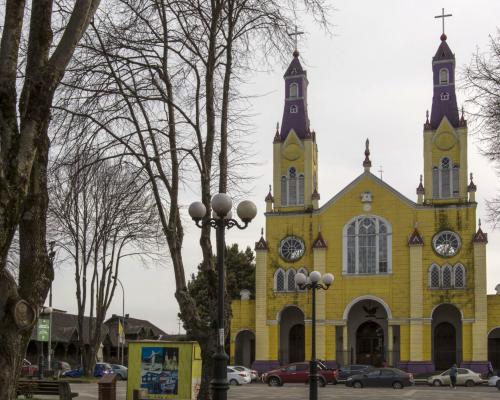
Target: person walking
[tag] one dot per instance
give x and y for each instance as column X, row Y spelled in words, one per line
column 453, row 376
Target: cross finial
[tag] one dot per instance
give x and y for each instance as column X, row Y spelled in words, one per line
column 443, row 16
column 381, row 171
column 295, row 35
column 479, row 223
column 262, row 232
column 270, row 188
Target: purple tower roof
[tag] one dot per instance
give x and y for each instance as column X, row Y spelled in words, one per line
column 295, row 111
column 444, row 100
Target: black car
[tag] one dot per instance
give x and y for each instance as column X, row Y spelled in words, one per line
column 346, row 371
column 381, row 377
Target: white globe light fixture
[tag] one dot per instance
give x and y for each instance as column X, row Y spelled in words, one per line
column 221, row 204
column 315, row 277
column 300, row 279
column 246, row 210
column 328, row 279
column 197, row 210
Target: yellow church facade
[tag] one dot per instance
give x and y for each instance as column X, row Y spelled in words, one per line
column 410, row 276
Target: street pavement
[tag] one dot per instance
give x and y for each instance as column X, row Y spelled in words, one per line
column 88, row 391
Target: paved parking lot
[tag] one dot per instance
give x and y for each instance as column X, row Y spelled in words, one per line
column 300, row 392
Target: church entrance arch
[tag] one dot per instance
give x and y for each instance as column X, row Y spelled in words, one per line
column 244, row 352
column 446, row 336
column 370, row 343
column 367, row 326
column 494, row 348
column 292, row 335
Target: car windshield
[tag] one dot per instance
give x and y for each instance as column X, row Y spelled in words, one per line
column 445, row 373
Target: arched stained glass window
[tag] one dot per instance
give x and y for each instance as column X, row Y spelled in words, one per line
column 447, row 277
column 459, row 272
column 444, row 76
column 367, row 246
column 290, row 278
column 294, row 90
column 292, row 188
column 434, row 277
column 279, row 280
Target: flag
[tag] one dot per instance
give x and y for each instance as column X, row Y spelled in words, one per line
column 121, row 336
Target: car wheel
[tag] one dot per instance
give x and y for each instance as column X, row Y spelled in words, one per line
column 469, row 383
column 357, row 385
column 118, row 377
column 397, row 385
column 273, row 381
column 321, row 382
column 498, row 384
column 233, row 382
column 436, row 382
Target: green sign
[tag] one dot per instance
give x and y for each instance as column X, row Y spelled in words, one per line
column 43, row 330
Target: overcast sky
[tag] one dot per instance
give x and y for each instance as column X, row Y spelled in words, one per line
column 373, row 79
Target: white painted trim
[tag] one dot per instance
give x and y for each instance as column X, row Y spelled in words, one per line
column 492, row 329
column 367, row 297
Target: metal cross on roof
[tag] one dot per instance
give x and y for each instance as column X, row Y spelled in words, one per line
column 295, row 35
column 443, row 16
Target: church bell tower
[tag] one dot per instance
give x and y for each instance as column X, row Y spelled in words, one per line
column 295, row 153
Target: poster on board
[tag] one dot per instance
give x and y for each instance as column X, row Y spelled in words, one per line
column 160, row 370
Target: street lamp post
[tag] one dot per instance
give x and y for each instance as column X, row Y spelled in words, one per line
column 52, row 255
column 221, row 220
column 313, row 283
column 121, row 341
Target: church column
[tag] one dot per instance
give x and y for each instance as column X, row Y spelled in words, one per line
column 416, row 362
column 277, row 169
column 479, row 327
column 345, row 345
column 262, row 356
column 319, row 259
column 390, row 347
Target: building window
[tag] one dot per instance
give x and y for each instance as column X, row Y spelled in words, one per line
column 292, row 188
column 459, row 274
column 444, row 76
column 445, row 179
column 279, row 280
column 367, row 246
column 294, row 90
column 447, row 277
column 290, row 279
column 294, row 109
column 445, row 96
column 434, row 277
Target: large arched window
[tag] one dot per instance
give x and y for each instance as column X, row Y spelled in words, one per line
column 294, row 90
column 292, row 188
column 459, row 276
column 367, row 246
column 434, row 276
column 290, row 279
column 279, row 280
column 444, row 76
column 447, row 279
column 445, row 179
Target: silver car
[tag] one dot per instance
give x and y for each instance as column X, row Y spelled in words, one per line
column 494, row 381
column 465, row 377
column 235, row 377
column 121, row 371
column 253, row 373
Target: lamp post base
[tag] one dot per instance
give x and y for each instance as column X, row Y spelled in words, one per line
column 313, row 380
column 219, row 384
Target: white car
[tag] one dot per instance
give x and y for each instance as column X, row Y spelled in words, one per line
column 465, row 377
column 494, row 381
column 235, row 377
column 253, row 373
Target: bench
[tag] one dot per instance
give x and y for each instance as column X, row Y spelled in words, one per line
column 28, row 388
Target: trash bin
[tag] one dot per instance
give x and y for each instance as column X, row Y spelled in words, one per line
column 107, row 387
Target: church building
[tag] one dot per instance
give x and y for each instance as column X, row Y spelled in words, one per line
column 410, row 275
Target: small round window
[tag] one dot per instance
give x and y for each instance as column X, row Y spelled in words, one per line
column 446, row 243
column 292, row 248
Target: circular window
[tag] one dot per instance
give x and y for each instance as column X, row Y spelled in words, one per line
column 292, row 248
column 446, row 243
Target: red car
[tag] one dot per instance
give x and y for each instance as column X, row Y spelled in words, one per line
column 298, row 373
column 27, row 369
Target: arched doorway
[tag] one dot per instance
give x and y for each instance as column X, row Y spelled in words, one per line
column 370, row 343
column 494, row 348
column 446, row 336
column 244, row 352
column 296, row 343
column 291, row 335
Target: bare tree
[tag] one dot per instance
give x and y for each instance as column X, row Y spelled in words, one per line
column 482, row 83
column 29, row 77
column 157, row 82
column 100, row 213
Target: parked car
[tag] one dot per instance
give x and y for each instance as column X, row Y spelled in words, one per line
column 28, row 369
column 120, row 370
column 253, row 373
column 381, row 377
column 494, row 381
column 100, row 370
column 235, row 377
column 61, row 366
column 298, row 373
column 465, row 377
column 346, row 371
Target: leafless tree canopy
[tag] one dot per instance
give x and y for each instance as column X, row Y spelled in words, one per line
column 482, row 83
